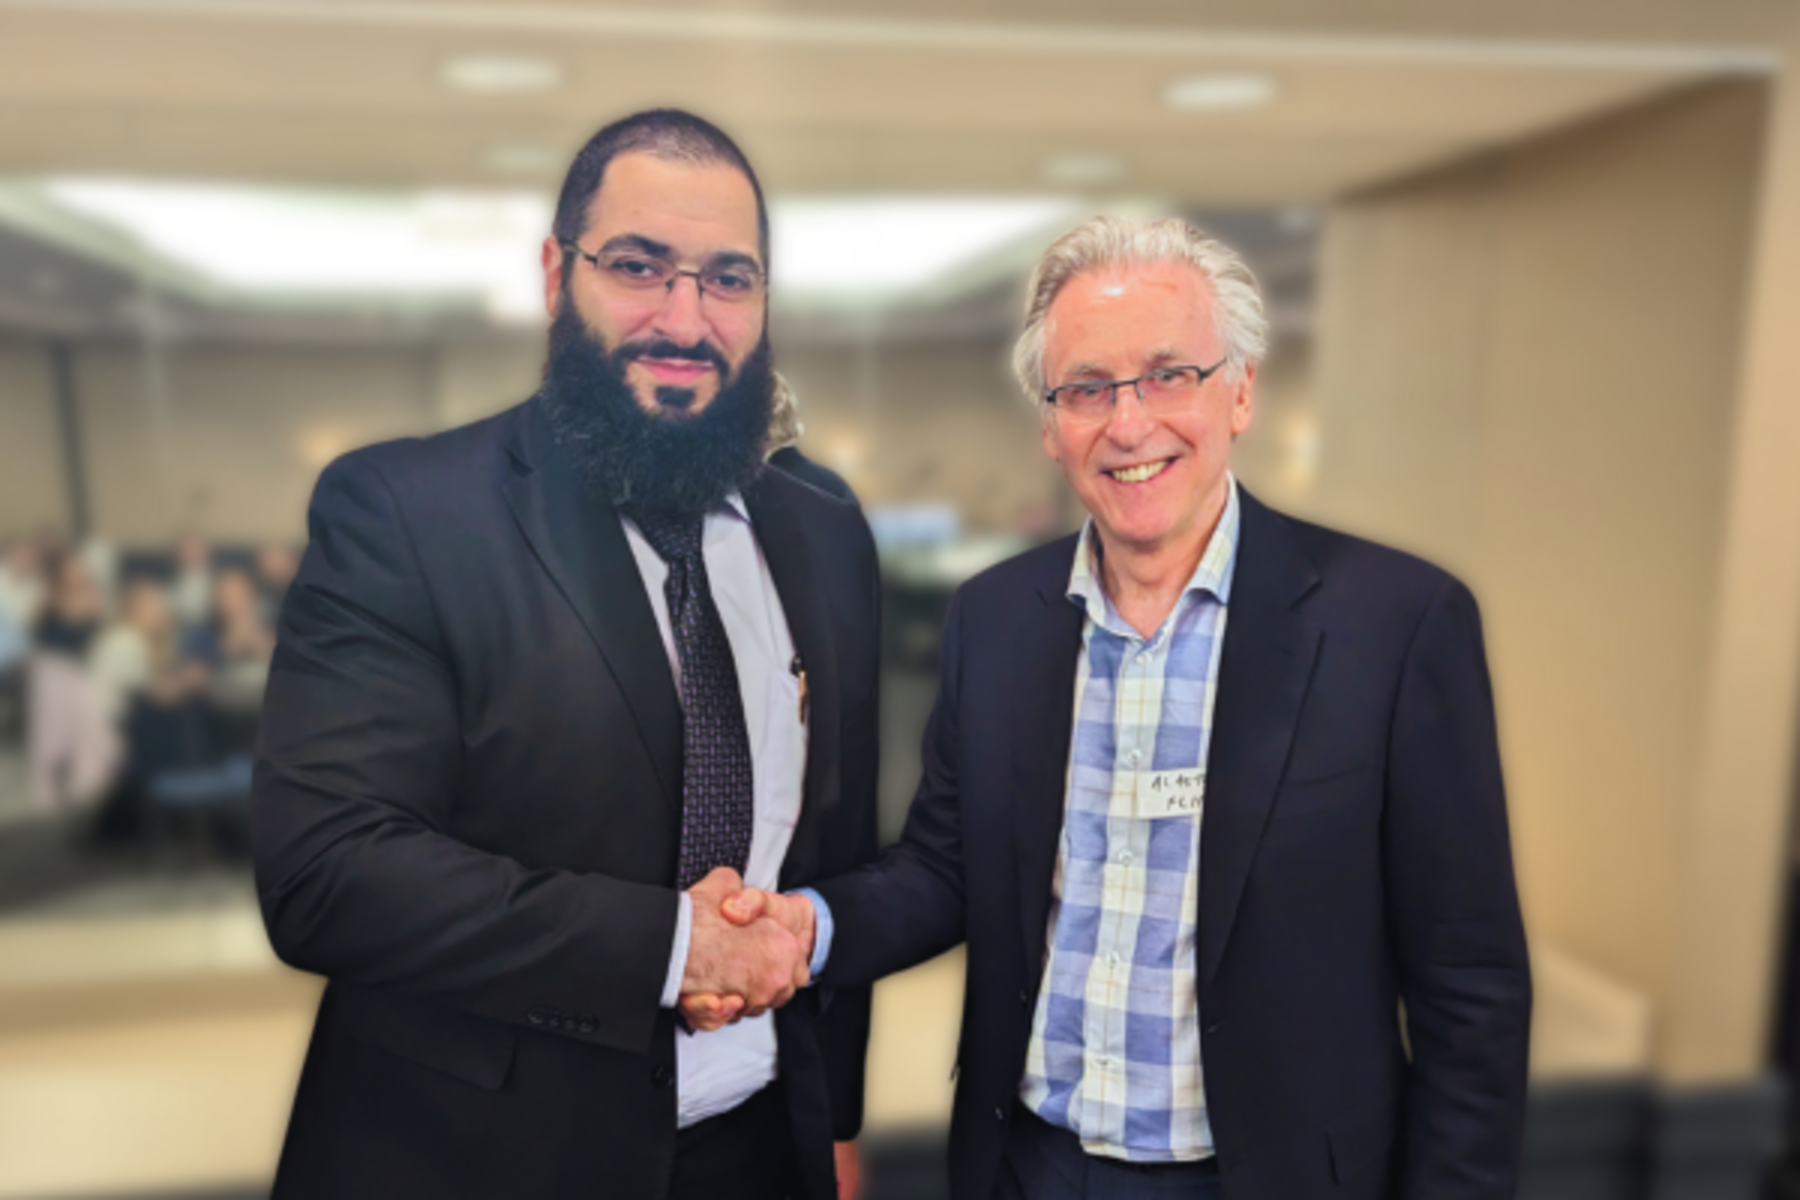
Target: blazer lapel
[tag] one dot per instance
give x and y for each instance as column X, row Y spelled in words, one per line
column 1265, row 667
column 1046, row 646
column 578, row 538
column 782, row 536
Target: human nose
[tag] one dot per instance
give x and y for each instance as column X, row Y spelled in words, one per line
column 681, row 317
column 1128, row 422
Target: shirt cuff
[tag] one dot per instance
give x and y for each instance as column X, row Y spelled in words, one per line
column 684, row 931
column 822, row 930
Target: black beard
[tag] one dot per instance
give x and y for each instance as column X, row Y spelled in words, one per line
column 668, row 461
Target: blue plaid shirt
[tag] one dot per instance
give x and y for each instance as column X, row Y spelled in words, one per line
column 1115, row 1041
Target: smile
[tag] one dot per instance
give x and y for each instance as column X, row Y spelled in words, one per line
column 1140, row 472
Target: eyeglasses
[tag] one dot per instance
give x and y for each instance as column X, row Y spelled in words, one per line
column 733, row 282
column 1163, row 390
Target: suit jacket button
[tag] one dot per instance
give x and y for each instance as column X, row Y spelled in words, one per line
column 999, row 1114
column 1024, row 997
column 536, row 1016
column 662, row 1077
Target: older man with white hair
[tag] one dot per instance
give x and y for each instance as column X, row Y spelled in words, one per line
column 1212, row 795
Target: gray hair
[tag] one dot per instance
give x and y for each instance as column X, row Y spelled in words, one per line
column 1100, row 242
column 784, row 417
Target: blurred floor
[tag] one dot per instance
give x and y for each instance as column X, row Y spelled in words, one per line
column 155, row 1053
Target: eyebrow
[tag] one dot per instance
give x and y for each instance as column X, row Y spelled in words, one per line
column 1088, row 371
column 1082, row 372
column 638, row 243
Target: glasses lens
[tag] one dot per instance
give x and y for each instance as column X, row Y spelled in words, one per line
column 1170, row 382
column 636, row 270
column 731, row 283
column 1084, row 399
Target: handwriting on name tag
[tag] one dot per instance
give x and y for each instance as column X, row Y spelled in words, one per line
column 1171, row 793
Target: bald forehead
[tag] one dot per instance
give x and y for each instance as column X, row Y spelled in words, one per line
column 1111, row 318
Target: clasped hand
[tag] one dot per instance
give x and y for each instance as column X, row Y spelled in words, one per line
column 748, row 952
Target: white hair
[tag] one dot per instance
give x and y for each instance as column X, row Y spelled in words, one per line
column 1101, row 242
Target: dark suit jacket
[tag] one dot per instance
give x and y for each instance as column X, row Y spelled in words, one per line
column 467, row 814
column 789, row 459
column 1353, row 851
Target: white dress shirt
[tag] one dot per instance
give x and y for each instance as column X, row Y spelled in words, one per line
column 718, row 1071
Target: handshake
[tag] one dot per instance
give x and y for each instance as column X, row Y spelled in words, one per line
column 749, row 951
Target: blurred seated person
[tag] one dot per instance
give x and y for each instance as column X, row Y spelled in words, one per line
column 13, row 643
column 191, row 593
column 784, row 448
column 72, row 750
column 73, row 611
column 276, row 566
column 22, row 584
column 235, row 647
column 138, row 656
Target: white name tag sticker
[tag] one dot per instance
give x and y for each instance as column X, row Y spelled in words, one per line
column 1170, row 793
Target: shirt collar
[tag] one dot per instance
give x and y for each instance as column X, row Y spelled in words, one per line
column 1212, row 574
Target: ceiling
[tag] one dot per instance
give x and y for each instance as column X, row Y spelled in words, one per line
column 926, row 96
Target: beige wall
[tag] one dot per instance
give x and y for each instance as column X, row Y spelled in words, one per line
column 1527, row 372
column 230, row 440
column 925, row 421
column 32, row 494
column 242, row 436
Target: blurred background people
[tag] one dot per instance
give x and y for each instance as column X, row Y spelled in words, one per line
column 276, row 565
column 191, row 591
column 137, row 651
column 21, row 583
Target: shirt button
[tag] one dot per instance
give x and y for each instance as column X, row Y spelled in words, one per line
column 1134, row 758
column 1125, row 858
column 1112, row 960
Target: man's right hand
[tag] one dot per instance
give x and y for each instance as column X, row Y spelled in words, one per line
column 739, row 965
column 747, row 909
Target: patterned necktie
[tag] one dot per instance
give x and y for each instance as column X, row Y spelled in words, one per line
column 718, row 808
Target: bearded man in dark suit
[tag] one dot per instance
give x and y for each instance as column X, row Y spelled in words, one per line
column 547, row 689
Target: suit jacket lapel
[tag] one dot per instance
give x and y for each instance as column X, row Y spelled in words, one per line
column 1046, row 646
column 578, row 538
column 782, row 536
column 1264, row 669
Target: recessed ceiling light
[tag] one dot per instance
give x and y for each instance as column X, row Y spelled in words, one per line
column 1219, row 93
column 500, row 73
column 1075, row 170
column 523, row 158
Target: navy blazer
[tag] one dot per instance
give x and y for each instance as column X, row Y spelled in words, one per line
column 467, row 815
column 1354, row 856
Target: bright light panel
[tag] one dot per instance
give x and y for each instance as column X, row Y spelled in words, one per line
column 297, row 243
column 882, row 245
